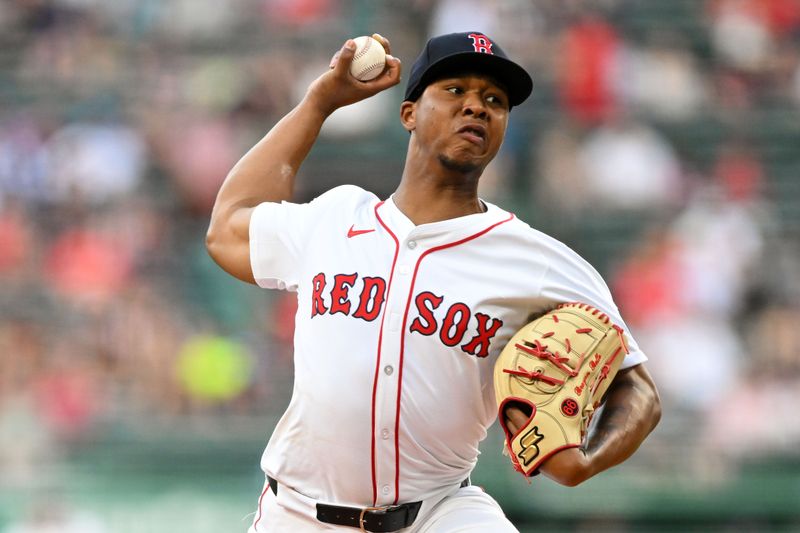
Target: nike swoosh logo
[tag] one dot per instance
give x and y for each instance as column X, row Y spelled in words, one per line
column 353, row 232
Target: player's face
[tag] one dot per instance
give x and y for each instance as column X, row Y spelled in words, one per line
column 462, row 121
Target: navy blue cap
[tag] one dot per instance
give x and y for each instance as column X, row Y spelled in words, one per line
column 468, row 51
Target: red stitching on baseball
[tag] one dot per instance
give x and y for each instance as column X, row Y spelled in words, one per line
column 369, row 68
column 367, row 46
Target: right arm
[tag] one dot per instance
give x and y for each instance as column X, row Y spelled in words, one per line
column 266, row 172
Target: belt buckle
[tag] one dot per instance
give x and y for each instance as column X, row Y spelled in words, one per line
column 365, row 510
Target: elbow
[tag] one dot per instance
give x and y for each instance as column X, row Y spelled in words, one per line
column 655, row 409
column 213, row 242
column 654, row 402
column 649, row 400
column 228, row 248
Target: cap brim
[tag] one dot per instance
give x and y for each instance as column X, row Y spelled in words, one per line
column 514, row 79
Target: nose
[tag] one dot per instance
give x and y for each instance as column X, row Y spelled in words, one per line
column 474, row 105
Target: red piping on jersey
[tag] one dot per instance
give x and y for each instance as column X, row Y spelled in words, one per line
column 403, row 338
column 378, row 358
column 260, row 502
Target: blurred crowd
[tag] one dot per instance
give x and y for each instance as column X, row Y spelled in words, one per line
column 661, row 140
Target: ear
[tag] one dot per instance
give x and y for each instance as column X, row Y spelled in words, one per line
column 408, row 115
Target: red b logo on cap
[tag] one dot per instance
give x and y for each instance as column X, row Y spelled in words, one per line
column 481, row 43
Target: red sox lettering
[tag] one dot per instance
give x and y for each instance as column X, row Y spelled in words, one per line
column 373, row 292
column 454, row 325
column 452, row 330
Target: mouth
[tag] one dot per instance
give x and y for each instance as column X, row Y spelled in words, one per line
column 475, row 133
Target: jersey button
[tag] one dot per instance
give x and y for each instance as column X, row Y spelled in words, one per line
column 412, row 244
column 388, row 369
column 385, row 489
column 384, row 433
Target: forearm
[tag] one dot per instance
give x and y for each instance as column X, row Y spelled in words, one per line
column 631, row 411
column 266, row 173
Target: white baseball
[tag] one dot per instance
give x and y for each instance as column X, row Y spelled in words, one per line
column 369, row 59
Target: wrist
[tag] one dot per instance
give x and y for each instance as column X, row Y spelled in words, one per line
column 568, row 467
column 317, row 104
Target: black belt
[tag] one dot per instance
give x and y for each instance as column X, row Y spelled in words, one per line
column 376, row 519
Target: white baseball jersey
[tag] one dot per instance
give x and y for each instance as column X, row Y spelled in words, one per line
column 397, row 331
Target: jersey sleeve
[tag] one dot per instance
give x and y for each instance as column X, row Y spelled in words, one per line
column 575, row 280
column 279, row 233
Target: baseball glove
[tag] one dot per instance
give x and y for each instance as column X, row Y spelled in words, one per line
column 556, row 369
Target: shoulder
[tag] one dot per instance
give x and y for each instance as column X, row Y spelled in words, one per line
column 537, row 240
column 349, row 195
column 557, row 259
column 327, row 208
column 341, row 198
column 342, row 204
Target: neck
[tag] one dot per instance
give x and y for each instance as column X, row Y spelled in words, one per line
column 428, row 200
column 433, row 188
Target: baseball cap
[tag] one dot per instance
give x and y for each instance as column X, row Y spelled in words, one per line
column 467, row 51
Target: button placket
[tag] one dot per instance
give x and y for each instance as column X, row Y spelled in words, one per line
column 387, row 408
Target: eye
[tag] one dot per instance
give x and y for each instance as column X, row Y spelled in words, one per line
column 494, row 99
column 454, row 90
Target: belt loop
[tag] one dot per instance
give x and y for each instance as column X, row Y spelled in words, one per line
column 361, row 517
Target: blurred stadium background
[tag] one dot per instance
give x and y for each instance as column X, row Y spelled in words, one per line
column 138, row 384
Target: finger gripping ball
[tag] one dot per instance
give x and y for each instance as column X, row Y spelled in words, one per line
column 368, row 60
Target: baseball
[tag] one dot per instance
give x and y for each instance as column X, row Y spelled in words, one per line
column 369, row 59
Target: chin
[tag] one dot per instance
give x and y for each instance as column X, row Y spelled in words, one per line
column 463, row 166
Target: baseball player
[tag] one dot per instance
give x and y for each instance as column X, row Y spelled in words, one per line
column 405, row 303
